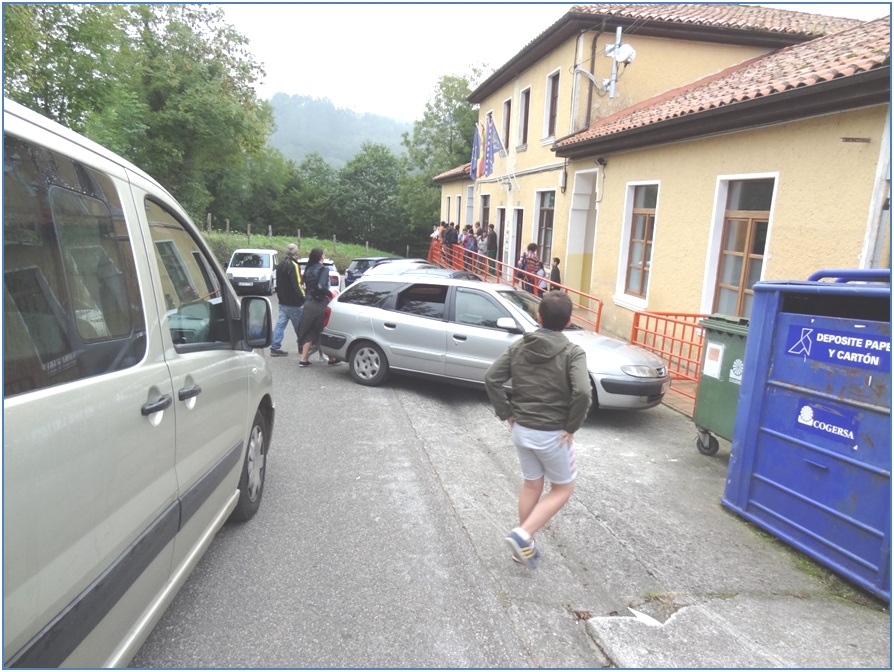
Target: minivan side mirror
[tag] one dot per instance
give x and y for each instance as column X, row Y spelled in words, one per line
column 509, row 325
column 257, row 322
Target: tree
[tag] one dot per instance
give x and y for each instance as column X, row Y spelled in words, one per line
column 441, row 140
column 202, row 111
column 311, row 199
column 64, row 60
column 368, row 199
column 167, row 86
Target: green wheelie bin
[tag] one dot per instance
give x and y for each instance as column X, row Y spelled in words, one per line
column 723, row 361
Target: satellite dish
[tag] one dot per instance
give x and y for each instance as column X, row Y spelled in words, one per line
column 625, row 54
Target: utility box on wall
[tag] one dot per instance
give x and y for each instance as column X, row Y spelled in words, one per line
column 811, row 450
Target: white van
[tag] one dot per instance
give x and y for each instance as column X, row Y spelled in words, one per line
column 253, row 271
column 137, row 405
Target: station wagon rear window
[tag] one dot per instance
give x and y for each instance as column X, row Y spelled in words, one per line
column 368, row 293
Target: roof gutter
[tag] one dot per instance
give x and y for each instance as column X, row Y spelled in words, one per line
column 845, row 93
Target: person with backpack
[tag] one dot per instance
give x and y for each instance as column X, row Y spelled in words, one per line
column 316, row 285
column 529, row 262
column 290, row 297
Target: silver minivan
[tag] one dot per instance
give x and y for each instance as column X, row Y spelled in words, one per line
column 137, row 404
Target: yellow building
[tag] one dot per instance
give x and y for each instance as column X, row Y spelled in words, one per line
column 673, row 155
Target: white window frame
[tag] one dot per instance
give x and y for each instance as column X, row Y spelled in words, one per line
column 548, row 88
column 621, row 298
column 524, row 119
column 447, row 210
column 715, row 236
column 506, row 124
column 470, row 204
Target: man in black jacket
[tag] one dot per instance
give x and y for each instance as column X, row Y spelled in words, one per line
column 290, row 297
column 451, row 238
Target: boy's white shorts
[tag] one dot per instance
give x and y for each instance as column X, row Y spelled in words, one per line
column 541, row 453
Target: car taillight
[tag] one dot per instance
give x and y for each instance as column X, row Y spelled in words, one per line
column 326, row 313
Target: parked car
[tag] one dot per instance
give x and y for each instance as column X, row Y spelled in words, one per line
column 398, row 266
column 253, row 271
column 439, row 272
column 359, row 266
column 336, row 281
column 452, row 330
column 137, row 403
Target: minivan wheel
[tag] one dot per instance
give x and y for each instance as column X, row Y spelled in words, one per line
column 369, row 365
column 254, row 470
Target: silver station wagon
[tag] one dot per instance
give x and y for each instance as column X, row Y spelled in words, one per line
column 453, row 329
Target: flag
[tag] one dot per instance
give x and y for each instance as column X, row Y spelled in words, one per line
column 477, row 153
column 492, row 146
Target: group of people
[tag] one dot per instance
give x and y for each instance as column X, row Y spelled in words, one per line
column 302, row 301
column 480, row 239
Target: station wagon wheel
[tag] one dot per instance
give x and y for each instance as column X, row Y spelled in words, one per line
column 254, row 470
column 369, row 366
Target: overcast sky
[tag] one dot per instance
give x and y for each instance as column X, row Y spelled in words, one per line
column 387, row 58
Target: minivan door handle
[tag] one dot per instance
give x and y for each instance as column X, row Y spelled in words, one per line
column 189, row 392
column 156, row 406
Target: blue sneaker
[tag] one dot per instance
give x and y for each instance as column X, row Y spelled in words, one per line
column 523, row 552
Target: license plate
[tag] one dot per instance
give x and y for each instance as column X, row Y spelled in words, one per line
column 246, row 284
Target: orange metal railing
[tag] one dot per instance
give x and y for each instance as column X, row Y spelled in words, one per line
column 587, row 308
column 678, row 340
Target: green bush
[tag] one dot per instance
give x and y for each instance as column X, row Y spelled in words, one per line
column 223, row 245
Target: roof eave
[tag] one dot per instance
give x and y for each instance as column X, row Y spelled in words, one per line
column 846, row 93
column 571, row 24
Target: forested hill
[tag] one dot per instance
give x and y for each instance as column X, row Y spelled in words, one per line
column 305, row 125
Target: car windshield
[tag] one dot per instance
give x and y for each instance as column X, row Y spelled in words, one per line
column 524, row 301
column 250, row 260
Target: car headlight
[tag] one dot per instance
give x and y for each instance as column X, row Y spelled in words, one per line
column 640, row 371
column 229, row 276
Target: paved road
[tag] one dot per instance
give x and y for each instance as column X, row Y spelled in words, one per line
column 379, row 544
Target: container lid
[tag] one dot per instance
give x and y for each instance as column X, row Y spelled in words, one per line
column 728, row 323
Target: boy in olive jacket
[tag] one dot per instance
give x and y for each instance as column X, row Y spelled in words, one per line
column 550, row 401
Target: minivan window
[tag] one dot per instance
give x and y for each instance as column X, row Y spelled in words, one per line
column 194, row 305
column 71, row 304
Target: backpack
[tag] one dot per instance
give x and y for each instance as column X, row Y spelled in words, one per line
column 452, row 237
column 530, row 263
column 319, row 289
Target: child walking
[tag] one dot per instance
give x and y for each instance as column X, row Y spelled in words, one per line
column 550, row 401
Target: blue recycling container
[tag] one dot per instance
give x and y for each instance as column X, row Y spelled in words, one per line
column 810, row 459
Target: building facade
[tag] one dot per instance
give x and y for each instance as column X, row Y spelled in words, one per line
column 673, row 155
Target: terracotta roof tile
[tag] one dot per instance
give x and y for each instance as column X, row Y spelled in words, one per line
column 742, row 17
column 458, row 173
column 843, row 54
